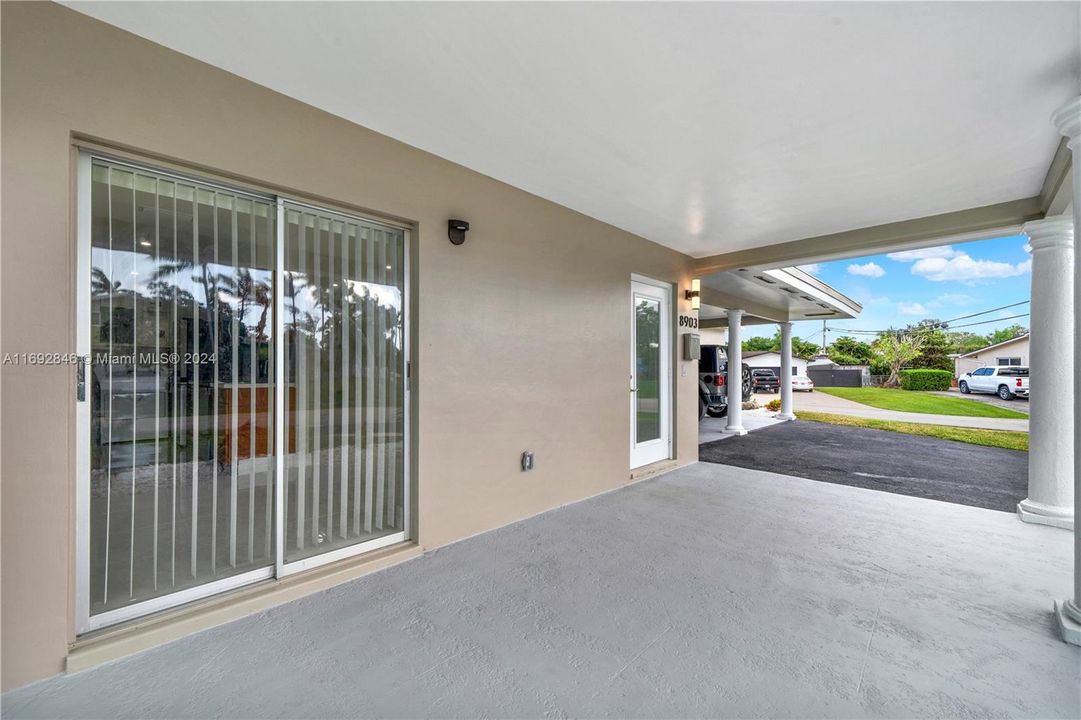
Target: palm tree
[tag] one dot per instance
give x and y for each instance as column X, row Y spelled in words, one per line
column 100, row 284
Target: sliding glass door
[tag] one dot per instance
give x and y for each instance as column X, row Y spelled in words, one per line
column 345, row 360
column 238, row 348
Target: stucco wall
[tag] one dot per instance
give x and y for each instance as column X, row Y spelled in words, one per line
column 1019, row 349
column 521, row 335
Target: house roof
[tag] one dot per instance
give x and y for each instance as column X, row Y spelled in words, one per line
column 1019, row 338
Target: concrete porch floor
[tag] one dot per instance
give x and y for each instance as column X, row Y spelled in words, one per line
column 709, row 591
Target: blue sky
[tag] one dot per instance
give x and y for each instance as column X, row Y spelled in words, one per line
column 943, row 282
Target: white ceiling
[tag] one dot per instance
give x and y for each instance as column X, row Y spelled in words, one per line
column 705, row 127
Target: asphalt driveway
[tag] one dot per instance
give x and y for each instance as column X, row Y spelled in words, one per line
column 924, row 467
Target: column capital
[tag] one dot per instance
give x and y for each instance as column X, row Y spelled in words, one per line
column 734, row 313
column 1052, row 232
column 1068, row 120
column 785, row 325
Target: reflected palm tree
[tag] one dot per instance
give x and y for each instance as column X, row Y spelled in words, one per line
column 100, row 284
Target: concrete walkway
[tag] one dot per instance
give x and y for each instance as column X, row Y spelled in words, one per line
column 711, row 591
column 710, row 428
column 821, row 402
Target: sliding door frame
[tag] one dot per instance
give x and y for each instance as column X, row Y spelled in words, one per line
column 283, row 568
column 84, row 621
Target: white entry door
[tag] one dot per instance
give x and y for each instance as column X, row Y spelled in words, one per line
column 650, row 376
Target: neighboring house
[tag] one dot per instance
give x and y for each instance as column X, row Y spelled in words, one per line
column 1011, row 352
column 769, row 360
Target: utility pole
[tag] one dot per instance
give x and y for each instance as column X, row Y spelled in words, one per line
column 824, row 338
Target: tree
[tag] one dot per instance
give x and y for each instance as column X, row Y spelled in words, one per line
column 804, row 349
column 762, row 344
column 962, row 341
column 897, row 349
column 934, row 352
column 1006, row 333
column 849, row 351
column 800, row 348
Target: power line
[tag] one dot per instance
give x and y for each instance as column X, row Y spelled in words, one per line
column 985, row 322
column 942, row 324
column 1004, row 307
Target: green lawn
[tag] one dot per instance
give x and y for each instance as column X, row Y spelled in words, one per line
column 921, row 402
column 990, row 438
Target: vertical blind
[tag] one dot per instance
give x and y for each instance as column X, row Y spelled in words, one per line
column 182, row 381
column 181, row 349
column 345, row 359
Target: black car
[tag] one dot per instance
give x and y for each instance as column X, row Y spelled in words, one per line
column 713, row 382
column 765, row 380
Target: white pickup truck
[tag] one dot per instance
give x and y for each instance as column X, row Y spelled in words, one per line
column 1006, row 381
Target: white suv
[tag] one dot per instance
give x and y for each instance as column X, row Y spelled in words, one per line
column 1006, row 381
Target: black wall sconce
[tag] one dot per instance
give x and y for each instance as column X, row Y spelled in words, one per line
column 456, row 230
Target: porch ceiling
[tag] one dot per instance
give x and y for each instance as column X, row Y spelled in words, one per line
column 709, row 128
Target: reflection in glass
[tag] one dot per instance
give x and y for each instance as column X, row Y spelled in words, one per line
column 345, row 363
column 181, row 479
column 647, row 343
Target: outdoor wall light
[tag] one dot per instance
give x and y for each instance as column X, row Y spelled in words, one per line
column 694, row 294
column 456, row 230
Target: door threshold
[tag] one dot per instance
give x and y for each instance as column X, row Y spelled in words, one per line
column 658, row 468
column 144, row 633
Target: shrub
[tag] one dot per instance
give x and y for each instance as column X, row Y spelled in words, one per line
column 926, row 379
column 774, row 405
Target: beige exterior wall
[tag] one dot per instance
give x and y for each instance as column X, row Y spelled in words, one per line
column 521, row 335
column 1018, row 348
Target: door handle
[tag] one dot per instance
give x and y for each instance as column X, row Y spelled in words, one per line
column 80, row 379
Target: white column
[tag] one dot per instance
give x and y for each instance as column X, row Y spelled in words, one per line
column 786, row 373
column 1068, row 121
column 1050, row 455
column 735, row 374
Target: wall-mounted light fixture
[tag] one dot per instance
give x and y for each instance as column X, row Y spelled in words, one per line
column 456, row 230
column 694, row 294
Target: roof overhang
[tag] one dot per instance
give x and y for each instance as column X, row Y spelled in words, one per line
column 770, row 295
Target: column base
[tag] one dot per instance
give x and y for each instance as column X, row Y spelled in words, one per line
column 785, row 416
column 1040, row 514
column 1067, row 614
column 737, row 430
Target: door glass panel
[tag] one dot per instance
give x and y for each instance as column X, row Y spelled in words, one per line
column 344, row 285
column 647, row 340
column 181, row 482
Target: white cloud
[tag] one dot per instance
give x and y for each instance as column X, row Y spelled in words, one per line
column 946, row 251
column 952, row 300
column 912, row 309
column 812, row 268
column 962, row 268
column 869, row 269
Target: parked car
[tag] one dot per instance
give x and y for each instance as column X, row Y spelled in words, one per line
column 803, row 383
column 713, row 381
column 765, row 380
column 1007, row 381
